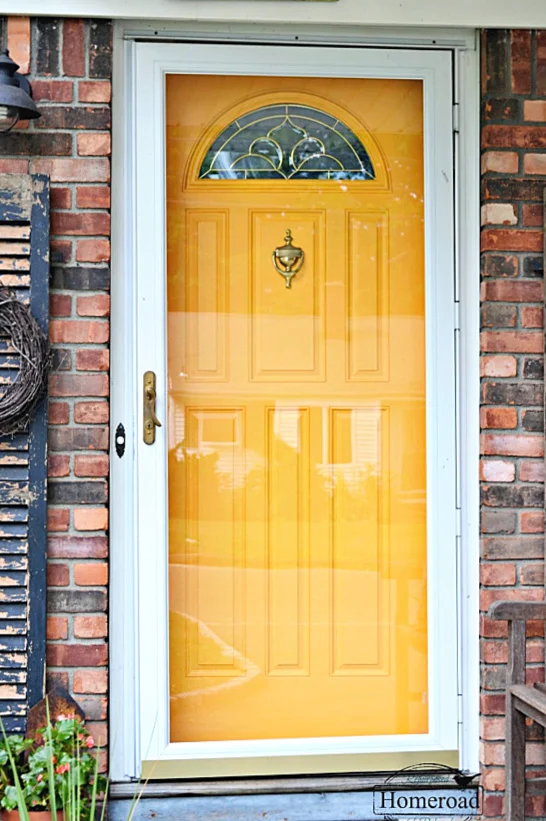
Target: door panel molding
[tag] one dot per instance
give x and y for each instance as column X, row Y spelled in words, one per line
column 139, row 662
column 364, row 364
column 211, row 295
column 286, row 363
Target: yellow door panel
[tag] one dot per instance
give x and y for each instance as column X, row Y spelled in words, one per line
column 287, row 541
column 207, row 351
column 297, row 458
column 367, row 290
column 296, row 326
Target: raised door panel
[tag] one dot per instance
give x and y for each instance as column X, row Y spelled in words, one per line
column 358, row 457
column 288, row 325
column 207, row 290
column 287, row 541
column 367, row 326
column 213, row 531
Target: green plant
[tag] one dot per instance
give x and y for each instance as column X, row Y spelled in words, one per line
column 56, row 769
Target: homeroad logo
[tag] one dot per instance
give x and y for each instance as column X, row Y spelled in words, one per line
column 395, row 801
column 427, row 791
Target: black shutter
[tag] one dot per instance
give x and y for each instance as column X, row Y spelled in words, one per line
column 24, row 268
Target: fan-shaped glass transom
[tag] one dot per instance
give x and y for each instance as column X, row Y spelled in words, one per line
column 287, row 142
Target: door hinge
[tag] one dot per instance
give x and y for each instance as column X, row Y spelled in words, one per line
column 456, row 115
column 459, row 708
column 457, row 315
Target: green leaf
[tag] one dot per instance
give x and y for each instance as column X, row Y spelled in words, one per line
column 50, row 769
column 43, row 755
column 21, row 804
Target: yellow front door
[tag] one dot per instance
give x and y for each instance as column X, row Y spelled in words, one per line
column 297, row 485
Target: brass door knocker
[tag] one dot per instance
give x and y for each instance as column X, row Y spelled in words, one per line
column 290, row 257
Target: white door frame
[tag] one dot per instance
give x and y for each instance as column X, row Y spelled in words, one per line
column 139, row 660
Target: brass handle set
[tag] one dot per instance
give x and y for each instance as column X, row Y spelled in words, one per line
column 149, row 419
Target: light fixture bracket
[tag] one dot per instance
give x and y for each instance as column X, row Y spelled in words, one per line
column 23, row 83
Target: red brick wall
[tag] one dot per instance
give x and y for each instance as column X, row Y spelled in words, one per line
column 70, row 63
column 512, row 345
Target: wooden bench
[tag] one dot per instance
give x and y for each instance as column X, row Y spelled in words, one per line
column 522, row 702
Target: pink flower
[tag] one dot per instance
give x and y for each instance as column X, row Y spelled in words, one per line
column 39, row 777
column 62, row 768
column 89, row 742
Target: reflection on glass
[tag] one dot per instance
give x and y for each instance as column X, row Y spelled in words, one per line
column 287, row 142
column 297, row 450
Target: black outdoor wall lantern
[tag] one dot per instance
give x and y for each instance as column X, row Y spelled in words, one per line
column 15, row 95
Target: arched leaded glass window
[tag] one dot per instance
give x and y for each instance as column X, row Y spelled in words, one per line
column 287, row 142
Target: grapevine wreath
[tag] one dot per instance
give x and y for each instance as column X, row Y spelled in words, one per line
column 29, row 341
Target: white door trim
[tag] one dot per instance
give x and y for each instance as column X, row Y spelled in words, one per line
column 139, row 667
column 257, row 30
column 467, row 230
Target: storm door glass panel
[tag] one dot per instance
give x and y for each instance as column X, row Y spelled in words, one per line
column 296, row 425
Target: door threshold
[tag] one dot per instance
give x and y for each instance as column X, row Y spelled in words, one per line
column 347, row 782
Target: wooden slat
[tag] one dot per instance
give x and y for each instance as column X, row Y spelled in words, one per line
column 18, row 442
column 515, row 724
column 13, row 264
column 530, row 702
column 536, row 786
column 515, row 671
column 318, row 806
column 529, row 695
column 524, row 610
column 14, row 232
column 13, row 547
column 524, row 710
column 15, row 197
column 13, row 627
column 15, row 249
column 14, row 491
column 261, row 786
